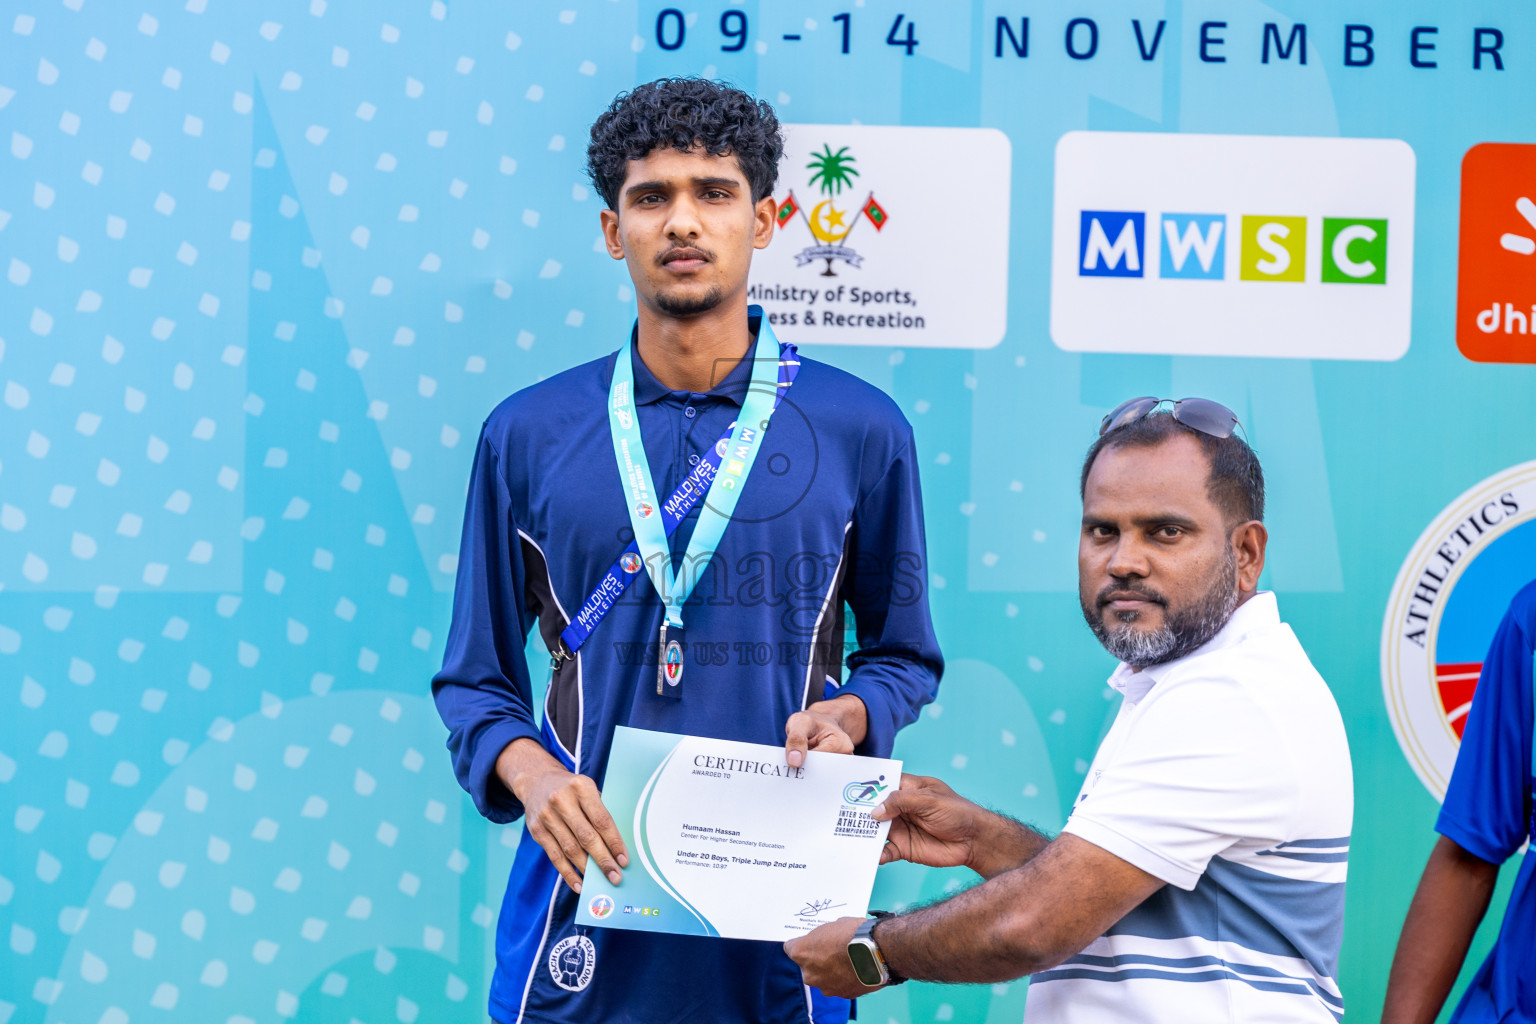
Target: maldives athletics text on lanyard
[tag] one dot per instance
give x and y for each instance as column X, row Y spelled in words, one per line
column 717, row 479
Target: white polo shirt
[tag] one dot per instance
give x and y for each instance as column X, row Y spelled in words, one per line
column 1227, row 775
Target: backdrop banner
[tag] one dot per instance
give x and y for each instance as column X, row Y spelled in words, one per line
column 268, row 265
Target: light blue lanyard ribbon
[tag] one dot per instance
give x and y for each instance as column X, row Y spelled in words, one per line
column 674, row 510
column 644, row 504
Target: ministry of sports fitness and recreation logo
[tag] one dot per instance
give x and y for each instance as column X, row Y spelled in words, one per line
column 863, row 211
column 1232, row 245
column 1448, row 599
column 831, row 224
column 1496, row 277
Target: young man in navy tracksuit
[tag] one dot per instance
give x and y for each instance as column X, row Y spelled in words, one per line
column 560, row 533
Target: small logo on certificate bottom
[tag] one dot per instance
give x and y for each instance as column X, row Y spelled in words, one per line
column 600, row 907
column 572, row 961
column 644, row 911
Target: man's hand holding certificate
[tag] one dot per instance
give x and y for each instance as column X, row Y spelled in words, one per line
column 729, row 839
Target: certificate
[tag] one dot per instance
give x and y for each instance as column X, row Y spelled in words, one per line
column 727, row 839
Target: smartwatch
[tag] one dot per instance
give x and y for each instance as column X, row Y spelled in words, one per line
column 864, row 953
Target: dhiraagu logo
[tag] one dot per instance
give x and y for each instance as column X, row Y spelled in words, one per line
column 1172, row 244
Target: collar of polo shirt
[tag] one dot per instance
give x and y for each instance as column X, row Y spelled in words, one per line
column 649, row 390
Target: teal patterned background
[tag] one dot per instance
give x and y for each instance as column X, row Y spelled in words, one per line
column 269, row 264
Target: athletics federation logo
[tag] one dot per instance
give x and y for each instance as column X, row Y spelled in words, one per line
column 643, row 509
column 672, row 663
column 600, row 907
column 1496, row 282
column 1447, row 601
column 572, row 962
column 630, row 563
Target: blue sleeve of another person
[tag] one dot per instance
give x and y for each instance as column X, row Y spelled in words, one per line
column 483, row 692
column 897, row 667
column 1487, row 809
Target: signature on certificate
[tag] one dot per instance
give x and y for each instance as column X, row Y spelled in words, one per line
column 815, row 908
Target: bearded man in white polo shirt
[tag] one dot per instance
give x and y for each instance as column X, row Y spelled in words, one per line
column 1200, row 875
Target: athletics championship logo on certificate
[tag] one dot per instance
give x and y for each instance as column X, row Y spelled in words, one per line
column 866, row 791
column 1449, row 597
column 889, row 235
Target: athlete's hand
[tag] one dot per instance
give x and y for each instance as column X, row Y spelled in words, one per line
column 565, row 813
column 930, row 824
column 835, row 726
column 566, row 816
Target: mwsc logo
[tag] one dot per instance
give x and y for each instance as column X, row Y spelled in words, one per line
column 1166, row 243
column 1274, row 248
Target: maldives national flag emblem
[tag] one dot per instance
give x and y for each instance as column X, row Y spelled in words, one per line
column 875, row 212
column 788, row 209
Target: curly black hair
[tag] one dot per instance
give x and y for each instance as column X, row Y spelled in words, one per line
column 683, row 113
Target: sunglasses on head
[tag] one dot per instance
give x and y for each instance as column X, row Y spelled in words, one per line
column 1200, row 414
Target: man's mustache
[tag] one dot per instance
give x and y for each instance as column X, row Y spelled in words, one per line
column 684, row 252
column 1118, row 591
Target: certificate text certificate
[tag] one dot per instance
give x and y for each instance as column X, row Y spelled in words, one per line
column 727, row 839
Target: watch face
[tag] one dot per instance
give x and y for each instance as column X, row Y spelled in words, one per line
column 864, row 963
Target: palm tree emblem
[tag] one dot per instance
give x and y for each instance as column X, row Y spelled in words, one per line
column 832, row 172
